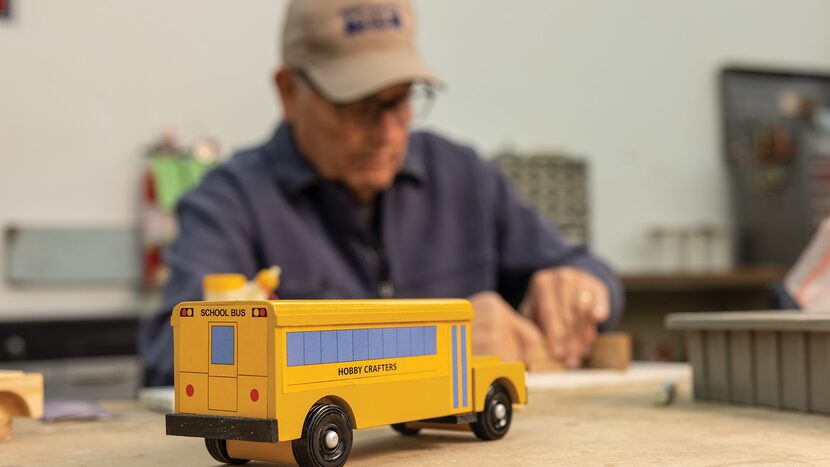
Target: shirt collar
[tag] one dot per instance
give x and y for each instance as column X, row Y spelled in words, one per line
column 295, row 174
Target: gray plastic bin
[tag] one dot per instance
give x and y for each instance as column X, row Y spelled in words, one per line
column 769, row 358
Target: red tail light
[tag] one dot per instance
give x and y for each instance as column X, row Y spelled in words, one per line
column 254, row 395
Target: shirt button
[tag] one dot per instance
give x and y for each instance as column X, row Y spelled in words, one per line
column 385, row 290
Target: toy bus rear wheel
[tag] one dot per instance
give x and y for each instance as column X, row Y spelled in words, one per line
column 494, row 421
column 218, row 449
column 404, row 430
column 326, row 439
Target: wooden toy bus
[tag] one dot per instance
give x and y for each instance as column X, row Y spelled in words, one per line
column 288, row 380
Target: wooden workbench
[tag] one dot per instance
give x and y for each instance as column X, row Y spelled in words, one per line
column 606, row 425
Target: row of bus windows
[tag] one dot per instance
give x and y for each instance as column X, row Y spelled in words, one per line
column 313, row 347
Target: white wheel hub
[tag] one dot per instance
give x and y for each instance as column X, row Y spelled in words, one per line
column 331, row 439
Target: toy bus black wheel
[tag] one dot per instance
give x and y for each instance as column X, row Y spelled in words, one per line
column 494, row 421
column 402, row 429
column 219, row 450
column 327, row 437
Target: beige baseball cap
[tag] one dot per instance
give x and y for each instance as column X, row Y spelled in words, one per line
column 352, row 49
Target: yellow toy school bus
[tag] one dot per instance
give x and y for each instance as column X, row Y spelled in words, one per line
column 288, row 380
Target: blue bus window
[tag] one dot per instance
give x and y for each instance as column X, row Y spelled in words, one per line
column 390, row 343
column 375, row 343
column 429, row 340
column 328, row 345
column 360, row 339
column 295, row 348
column 345, row 348
column 417, row 341
column 221, row 345
column 311, row 347
column 404, row 342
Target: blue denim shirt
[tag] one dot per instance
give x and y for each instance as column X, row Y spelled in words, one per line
column 449, row 226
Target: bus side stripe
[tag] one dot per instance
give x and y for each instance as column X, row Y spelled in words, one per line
column 455, row 367
column 464, row 366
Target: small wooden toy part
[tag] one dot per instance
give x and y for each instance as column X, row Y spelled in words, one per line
column 612, row 351
column 21, row 395
column 222, row 287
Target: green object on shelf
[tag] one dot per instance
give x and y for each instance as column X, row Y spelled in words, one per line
column 174, row 175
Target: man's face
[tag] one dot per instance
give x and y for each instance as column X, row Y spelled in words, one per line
column 361, row 144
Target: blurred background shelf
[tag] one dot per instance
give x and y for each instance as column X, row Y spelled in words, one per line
column 651, row 296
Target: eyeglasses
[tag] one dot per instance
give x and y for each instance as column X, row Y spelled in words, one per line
column 414, row 104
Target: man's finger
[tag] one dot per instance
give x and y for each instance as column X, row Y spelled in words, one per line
column 568, row 287
column 589, row 336
column 602, row 306
column 549, row 316
column 526, row 332
column 534, row 352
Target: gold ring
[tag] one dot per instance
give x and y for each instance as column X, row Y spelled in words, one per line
column 585, row 297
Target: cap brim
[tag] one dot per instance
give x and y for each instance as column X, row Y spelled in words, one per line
column 352, row 78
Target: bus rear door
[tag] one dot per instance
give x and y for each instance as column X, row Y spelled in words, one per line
column 223, row 364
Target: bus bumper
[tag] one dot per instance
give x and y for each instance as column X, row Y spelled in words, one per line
column 212, row 426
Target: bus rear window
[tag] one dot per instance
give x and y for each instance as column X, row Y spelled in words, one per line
column 221, row 347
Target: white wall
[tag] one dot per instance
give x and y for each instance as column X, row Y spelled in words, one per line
column 85, row 85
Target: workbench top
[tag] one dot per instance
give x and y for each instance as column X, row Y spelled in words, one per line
column 585, row 426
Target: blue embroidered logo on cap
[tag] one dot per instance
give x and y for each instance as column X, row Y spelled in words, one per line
column 364, row 18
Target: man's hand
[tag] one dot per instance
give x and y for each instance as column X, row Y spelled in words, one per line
column 567, row 304
column 499, row 330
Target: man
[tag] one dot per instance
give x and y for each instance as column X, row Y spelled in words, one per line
column 352, row 205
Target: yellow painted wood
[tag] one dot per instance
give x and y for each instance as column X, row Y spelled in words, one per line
column 222, row 394
column 247, row 406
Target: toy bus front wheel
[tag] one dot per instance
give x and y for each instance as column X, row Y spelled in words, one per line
column 494, row 421
column 218, row 449
column 327, row 437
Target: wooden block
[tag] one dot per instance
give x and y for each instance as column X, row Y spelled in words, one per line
column 794, row 383
column 741, row 379
column 538, row 359
column 818, row 347
column 767, row 389
column 21, row 395
column 717, row 365
column 612, row 351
